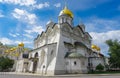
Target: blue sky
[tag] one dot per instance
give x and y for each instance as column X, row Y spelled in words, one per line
column 22, row 20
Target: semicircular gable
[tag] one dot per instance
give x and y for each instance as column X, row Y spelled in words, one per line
column 55, row 29
column 66, row 27
column 49, row 29
column 43, row 35
column 78, row 32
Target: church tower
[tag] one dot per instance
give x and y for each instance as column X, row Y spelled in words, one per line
column 66, row 16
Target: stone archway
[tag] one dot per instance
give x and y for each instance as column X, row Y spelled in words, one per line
column 35, row 62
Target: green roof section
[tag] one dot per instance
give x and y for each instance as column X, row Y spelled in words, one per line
column 73, row 55
column 80, row 44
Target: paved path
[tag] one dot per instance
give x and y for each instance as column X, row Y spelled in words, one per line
column 25, row 75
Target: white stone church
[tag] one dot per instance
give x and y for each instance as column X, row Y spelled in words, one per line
column 63, row 48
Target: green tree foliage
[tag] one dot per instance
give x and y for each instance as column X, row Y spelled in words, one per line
column 114, row 53
column 5, row 63
column 100, row 67
column 1, row 44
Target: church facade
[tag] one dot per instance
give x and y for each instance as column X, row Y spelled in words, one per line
column 63, row 48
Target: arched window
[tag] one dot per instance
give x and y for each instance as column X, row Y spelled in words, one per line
column 36, row 54
column 42, row 57
column 52, row 52
column 75, row 63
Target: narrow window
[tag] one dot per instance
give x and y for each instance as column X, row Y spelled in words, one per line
column 52, row 52
column 75, row 63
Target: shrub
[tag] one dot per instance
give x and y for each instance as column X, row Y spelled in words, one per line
column 99, row 67
column 5, row 63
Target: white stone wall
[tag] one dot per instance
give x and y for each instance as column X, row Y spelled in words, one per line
column 65, row 36
column 76, row 65
column 19, row 66
column 48, row 37
column 82, row 50
column 47, row 61
column 97, row 61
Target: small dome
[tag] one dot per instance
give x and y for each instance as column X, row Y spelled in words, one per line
column 66, row 11
column 14, row 48
column 11, row 49
column 95, row 47
column 21, row 44
column 98, row 48
column 6, row 51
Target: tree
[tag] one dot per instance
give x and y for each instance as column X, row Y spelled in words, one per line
column 6, row 63
column 1, row 44
column 114, row 53
column 100, row 67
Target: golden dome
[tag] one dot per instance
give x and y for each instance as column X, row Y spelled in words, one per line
column 11, row 49
column 95, row 47
column 14, row 48
column 6, row 51
column 98, row 49
column 66, row 11
column 21, row 44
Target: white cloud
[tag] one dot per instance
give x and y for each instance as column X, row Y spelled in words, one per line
column 29, row 18
column 41, row 5
column 102, row 30
column 100, row 25
column 35, row 29
column 24, row 16
column 25, row 42
column 28, row 3
column 57, row 5
column 6, row 41
column 14, row 35
column 28, row 35
column 1, row 15
column 100, row 38
column 19, row 2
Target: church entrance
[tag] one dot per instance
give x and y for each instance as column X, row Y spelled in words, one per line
column 35, row 62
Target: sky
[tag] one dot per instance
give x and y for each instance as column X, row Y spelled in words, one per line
column 23, row 20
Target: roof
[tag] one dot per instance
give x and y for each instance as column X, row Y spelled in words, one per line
column 80, row 43
column 73, row 55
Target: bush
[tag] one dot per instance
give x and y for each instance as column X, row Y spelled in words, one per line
column 100, row 67
column 6, row 63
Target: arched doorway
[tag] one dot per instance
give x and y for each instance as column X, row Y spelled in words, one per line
column 35, row 62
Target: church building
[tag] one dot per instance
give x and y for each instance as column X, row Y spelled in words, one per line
column 63, row 48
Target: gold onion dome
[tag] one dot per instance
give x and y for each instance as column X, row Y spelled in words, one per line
column 66, row 11
column 95, row 47
column 98, row 48
column 6, row 51
column 21, row 44
column 11, row 49
column 14, row 48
